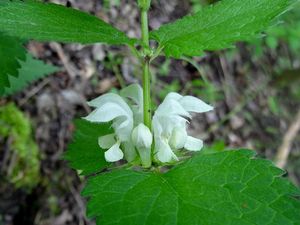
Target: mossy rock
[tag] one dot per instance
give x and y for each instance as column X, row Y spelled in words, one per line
column 23, row 165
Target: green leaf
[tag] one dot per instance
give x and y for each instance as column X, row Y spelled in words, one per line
column 52, row 22
column 30, row 71
column 230, row 187
column 218, row 26
column 11, row 52
column 84, row 153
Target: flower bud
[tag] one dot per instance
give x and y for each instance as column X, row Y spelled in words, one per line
column 142, row 136
column 142, row 139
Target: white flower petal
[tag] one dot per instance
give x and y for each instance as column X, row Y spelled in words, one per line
column 193, row 144
column 121, row 123
column 134, row 92
column 114, row 154
column 178, row 137
column 110, row 97
column 173, row 95
column 112, row 107
column 156, row 126
column 106, row 113
column 193, row 104
column 164, row 152
column 171, row 107
column 164, row 125
column 123, row 128
column 106, row 141
column 142, row 136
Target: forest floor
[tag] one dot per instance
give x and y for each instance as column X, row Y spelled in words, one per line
column 254, row 106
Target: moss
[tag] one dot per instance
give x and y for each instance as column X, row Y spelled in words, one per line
column 24, row 164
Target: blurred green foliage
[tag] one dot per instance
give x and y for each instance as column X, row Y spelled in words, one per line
column 110, row 3
column 173, row 86
column 207, row 90
column 287, row 30
column 15, row 129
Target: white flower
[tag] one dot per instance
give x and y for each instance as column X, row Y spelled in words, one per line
column 112, row 107
column 169, row 125
column 142, row 139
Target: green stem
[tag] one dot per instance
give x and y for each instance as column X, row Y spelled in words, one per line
column 146, row 68
column 147, row 94
column 145, row 30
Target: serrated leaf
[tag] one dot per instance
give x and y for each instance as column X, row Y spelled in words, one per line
column 11, row 52
column 221, row 188
column 218, row 26
column 52, row 22
column 30, row 71
column 84, row 153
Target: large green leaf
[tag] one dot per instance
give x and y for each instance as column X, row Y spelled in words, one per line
column 30, row 71
column 11, row 52
column 52, row 22
column 84, row 153
column 218, row 26
column 222, row 188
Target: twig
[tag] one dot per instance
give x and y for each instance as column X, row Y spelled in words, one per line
column 64, row 59
column 285, row 148
column 119, row 76
column 78, row 200
column 34, row 91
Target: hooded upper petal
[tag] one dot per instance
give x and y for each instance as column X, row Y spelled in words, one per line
column 110, row 98
column 106, row 113
column 193, row 104
column 171, row 107
column 173, row 95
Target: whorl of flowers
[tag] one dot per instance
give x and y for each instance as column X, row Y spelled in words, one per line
column 132, row 139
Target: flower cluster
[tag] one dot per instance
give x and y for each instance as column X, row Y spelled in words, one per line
column 132, row 139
